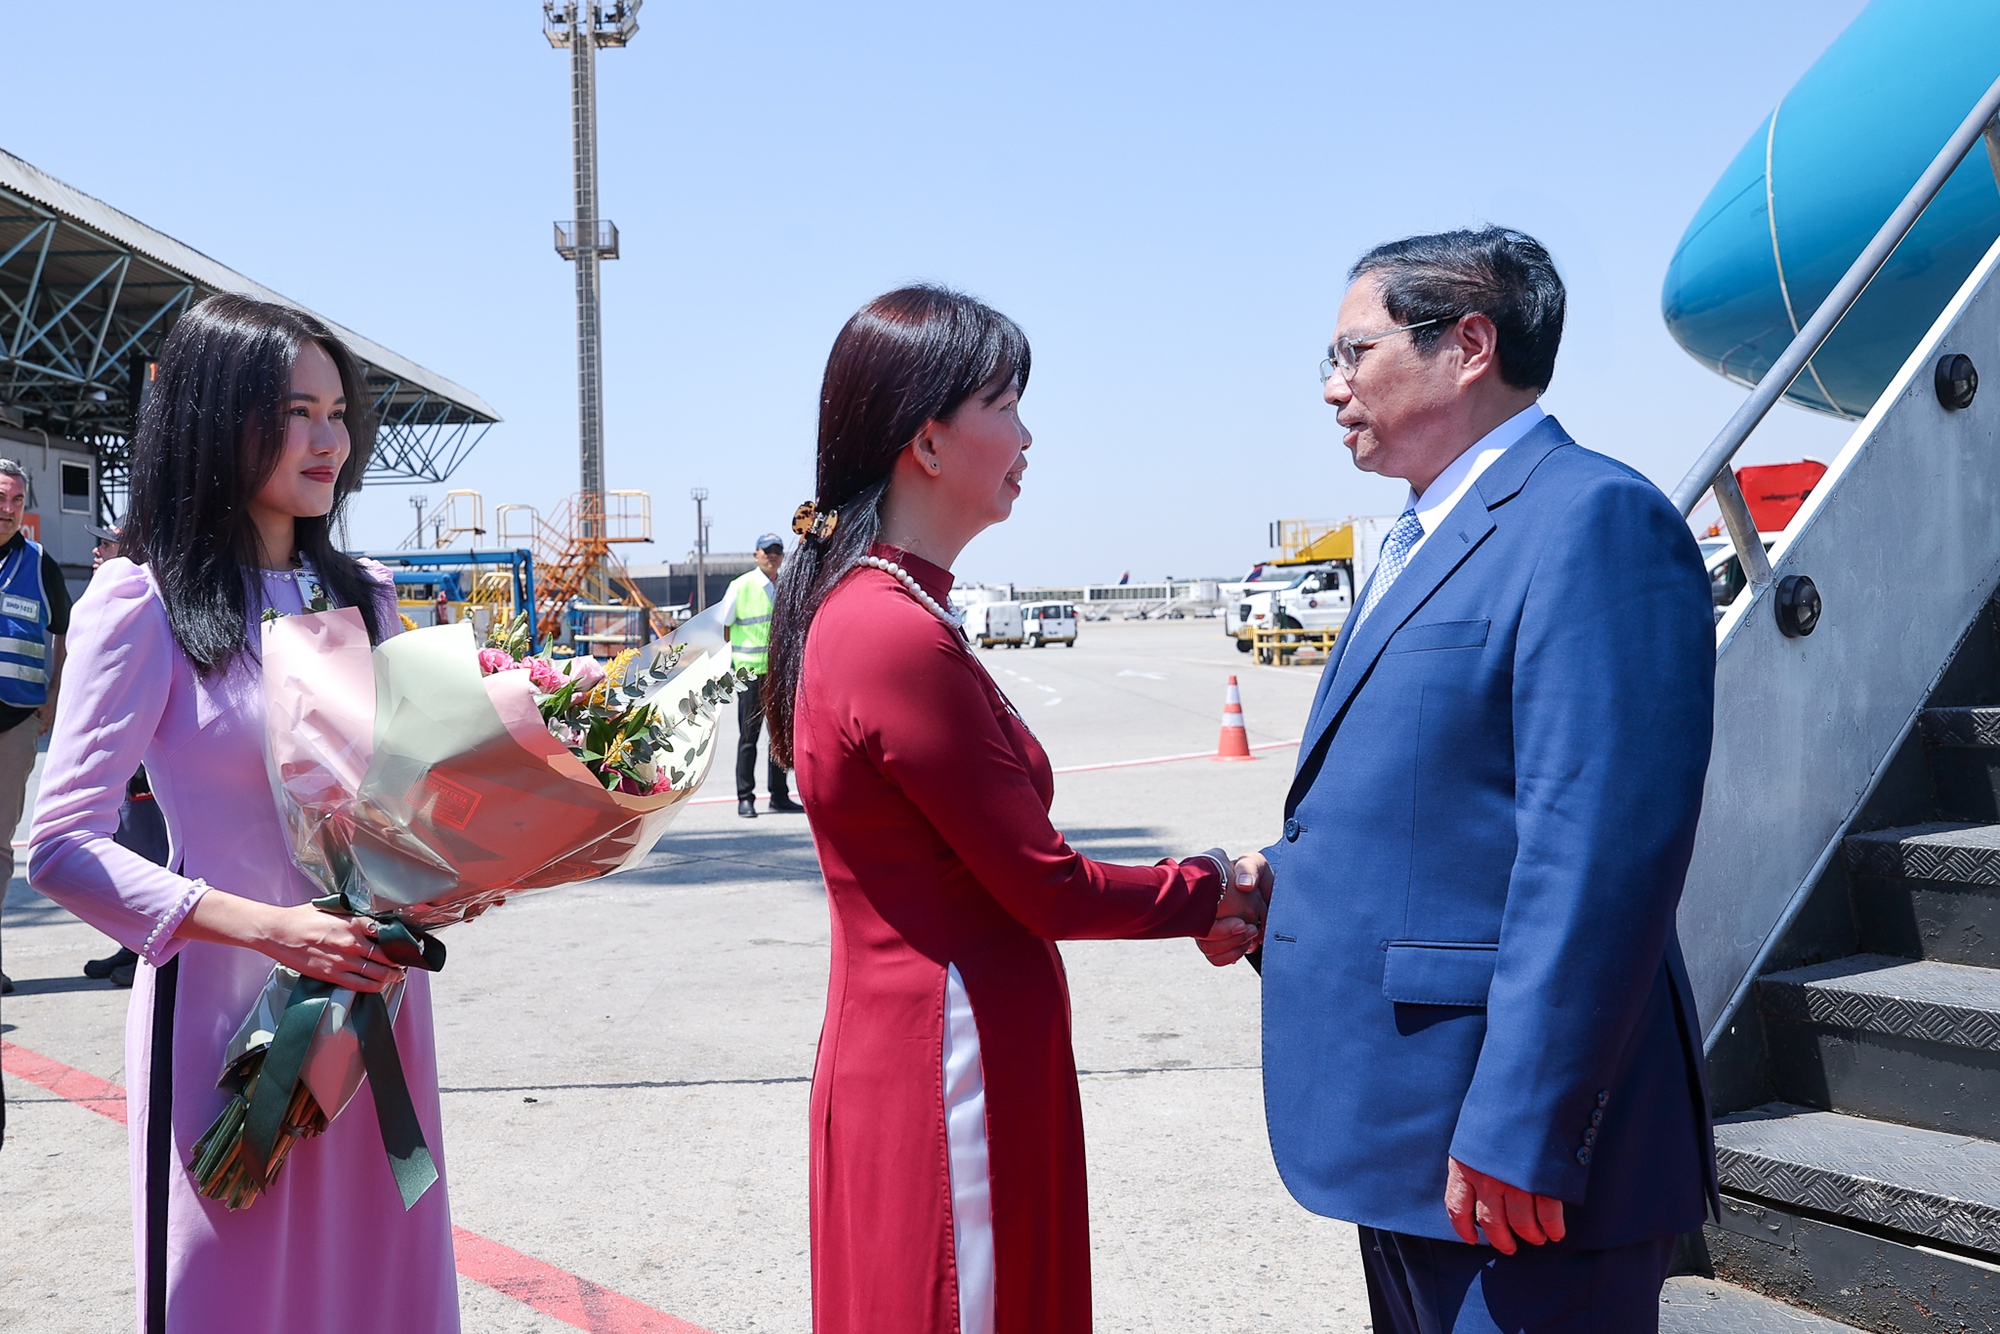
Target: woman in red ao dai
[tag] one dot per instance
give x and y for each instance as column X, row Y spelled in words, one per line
column 947, row 1171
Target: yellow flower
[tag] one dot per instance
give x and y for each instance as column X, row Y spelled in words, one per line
column 615, row 673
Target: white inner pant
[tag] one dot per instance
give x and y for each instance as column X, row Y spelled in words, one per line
column 965, row 1141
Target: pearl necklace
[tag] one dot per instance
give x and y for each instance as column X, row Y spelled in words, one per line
column 956, row 622
column 908, row 581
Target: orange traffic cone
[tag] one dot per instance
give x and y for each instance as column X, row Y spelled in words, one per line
column 1235, row 742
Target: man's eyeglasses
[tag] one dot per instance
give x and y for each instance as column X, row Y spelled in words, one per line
column 1346, row 358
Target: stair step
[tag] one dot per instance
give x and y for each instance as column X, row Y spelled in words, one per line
column 1909, row 1041
column 1962, row 750
column 1961, row 727
column 1946, row 1003
column 1954, row 851
column 1928, row 891
column 1710, row 1306
column 1869, row 1280
column 1926, row 1183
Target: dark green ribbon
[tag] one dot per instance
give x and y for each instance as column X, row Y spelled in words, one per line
column 283, row 1061
column 402, row 1135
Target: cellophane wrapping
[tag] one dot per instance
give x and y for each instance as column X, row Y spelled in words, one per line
column 415, row 788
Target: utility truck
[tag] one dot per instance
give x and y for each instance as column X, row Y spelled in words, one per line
column 1312, row 587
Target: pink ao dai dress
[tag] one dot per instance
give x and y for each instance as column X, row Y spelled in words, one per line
column 329, row 1247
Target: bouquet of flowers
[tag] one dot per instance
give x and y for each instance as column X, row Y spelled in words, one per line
column 422, row 781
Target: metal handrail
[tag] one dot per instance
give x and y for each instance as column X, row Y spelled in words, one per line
column 1712, row 469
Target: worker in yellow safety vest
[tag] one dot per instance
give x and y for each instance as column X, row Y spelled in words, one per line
column 746, row 624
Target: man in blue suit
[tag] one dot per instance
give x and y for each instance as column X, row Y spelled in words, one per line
column 1478, row 1030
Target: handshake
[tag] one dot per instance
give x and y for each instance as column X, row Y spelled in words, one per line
column 1239, row 917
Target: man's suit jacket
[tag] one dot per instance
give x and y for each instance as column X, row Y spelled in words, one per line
column 1471, row 947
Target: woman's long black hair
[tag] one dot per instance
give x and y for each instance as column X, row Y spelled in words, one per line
column 908, row 357
column 210, row 435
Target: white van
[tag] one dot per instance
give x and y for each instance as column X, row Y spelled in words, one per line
column 990, row 623
column 1048, row 623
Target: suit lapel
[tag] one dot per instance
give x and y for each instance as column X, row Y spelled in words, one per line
column 1442, row 553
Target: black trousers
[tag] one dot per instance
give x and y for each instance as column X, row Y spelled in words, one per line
column 1418, row 1285
column 749, row 722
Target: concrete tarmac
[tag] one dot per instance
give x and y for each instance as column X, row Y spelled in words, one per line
column 626, row 1063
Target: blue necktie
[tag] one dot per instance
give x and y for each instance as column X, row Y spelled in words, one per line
column 1395, row 555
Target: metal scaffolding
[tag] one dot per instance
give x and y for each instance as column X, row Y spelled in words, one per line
column 586, row 240
column 87, row 295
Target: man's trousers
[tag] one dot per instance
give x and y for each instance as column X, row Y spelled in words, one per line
column 1417, row 1285
column 749, row 722
column 18, row 745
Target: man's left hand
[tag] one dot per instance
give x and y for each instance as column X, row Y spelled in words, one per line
column 1471, row 1197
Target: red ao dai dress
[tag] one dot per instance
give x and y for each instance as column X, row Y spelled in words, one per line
column 948, row 889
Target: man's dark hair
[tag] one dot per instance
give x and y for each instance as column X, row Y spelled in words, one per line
column 1501, row 273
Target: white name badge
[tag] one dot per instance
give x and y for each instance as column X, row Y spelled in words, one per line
column 26, row 609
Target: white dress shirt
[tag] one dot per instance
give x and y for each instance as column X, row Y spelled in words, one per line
column 1450, row 486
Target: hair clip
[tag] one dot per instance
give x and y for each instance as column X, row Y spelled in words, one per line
column 809, row 521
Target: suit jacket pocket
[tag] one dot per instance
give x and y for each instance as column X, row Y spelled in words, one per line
column 1438, row 972
column 1438, row 634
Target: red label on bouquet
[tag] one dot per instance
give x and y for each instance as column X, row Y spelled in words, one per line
column 452, row 803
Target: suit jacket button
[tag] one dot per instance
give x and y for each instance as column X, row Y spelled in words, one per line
column 1292, row 830
column 1590, row 1135
column 1583, row 1156
column 1597, row 1117
column 1603, row 1096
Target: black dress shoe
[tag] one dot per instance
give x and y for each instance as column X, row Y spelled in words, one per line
column 747, row 808
column 122, row 975
column 6, row 985
column 124, row 958
column 784, row 805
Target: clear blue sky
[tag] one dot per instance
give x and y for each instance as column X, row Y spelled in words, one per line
column 1164, row 195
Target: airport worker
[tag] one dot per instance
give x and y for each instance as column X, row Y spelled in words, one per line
column 947, row 1172
column 746, row 624
column 252, row 440
column 104, row 545
column 1480, row 1042
column 34, row 626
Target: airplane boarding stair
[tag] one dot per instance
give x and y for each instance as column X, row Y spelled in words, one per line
column 1842, row 912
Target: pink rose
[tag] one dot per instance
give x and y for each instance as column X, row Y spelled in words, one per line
column 493, row 660
column 586, row 671
column 661, row 786
column 546, row 678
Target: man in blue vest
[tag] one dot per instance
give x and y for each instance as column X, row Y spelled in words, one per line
column 746, row 624
column 1479, row 1040
column 34, row 617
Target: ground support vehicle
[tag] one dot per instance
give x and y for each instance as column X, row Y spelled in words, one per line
column 1312, row 587
column 1287, row 648
column 990, row 623
column 1317, row 598
column 1048, row 623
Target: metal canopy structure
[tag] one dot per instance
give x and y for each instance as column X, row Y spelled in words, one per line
column 87, row 294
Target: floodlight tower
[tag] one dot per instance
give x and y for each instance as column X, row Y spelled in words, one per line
column 587, row 239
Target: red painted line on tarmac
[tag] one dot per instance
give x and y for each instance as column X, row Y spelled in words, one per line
column 67, row 1082
column 556, row 1292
